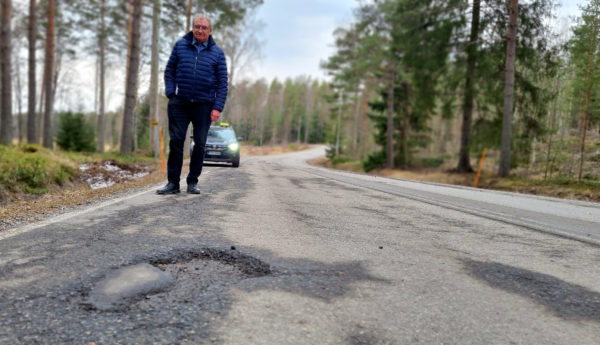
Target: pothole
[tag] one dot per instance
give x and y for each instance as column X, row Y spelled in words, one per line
column 182, row 277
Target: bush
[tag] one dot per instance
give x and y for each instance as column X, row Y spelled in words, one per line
column 31, row 172
column 340, row 159
column 32, row 169
column 374, row 160
column 75, row 133
column 431, row 162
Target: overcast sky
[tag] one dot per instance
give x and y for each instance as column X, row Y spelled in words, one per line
column 298, row 34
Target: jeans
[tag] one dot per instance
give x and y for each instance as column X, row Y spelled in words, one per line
column 181, row 113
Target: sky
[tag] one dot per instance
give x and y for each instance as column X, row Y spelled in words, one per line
column 299, row 34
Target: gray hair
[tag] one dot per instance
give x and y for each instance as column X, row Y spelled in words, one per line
column 202, row 16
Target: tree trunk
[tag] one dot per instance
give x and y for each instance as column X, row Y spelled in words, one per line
column 356, row 116
column 310, row 100
column 338, row 124
column 6, row 132
column 40, row 123
column 464, row 159
column 364, row 108
column 299, row 129
column 552, row 125
column 390, row 122
column 509, row 89
column 48, row 73
column 584, row 125
column 153, row 93
column 18, row 91
column 102, row 65
column 405, row 125
column 31, row 118
column 188, row 16
column 132, row 76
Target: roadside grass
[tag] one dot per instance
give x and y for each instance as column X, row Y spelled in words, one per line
column 89, row 157
column 251, row 150
column 29, row 171
column 588, row 189
column 32, row 169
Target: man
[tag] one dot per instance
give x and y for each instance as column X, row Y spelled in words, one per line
column 196, row 85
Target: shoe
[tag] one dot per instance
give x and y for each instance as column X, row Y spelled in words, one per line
column 170, row 188
column 193, row 188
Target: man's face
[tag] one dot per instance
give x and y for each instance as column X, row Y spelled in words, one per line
column 201, row 30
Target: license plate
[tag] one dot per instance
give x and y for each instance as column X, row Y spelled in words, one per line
column 213, row 153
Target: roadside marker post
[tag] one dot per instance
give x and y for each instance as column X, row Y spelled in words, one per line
column 156, row 146
column 480, row 166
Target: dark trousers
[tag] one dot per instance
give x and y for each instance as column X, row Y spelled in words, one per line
column 181, row 113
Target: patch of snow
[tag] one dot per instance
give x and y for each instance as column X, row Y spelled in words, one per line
column 108, row 166
column 102, row 184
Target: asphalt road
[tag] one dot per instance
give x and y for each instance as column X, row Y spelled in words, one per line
column 278, row 252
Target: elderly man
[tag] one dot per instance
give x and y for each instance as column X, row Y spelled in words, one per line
column 196, row 85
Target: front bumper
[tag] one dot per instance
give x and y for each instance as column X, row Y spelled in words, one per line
column 218, row 153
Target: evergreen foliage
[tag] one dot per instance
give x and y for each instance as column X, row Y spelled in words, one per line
column 75, row 133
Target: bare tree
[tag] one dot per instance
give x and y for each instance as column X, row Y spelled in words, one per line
column 6, row 132
column 132, row 77
column 188, row 16
column 18, row 90
column 309, row 101
column 31, row 117
column 509, row 90
column 102, row 75
column 48, row 76
column 153, row 93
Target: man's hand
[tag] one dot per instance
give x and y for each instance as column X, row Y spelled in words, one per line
column 214, row 115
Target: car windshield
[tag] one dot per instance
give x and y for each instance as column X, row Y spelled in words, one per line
column 222, row 133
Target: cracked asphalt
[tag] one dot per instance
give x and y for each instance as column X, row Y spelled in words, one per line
column 275, row 252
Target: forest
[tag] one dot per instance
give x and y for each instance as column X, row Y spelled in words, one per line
column 410, row 84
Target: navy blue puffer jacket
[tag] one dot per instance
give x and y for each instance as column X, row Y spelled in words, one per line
column 197, row 77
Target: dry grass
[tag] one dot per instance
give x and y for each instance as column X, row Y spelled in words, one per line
column 271, row 150
column 519, row 183
column 31, row 208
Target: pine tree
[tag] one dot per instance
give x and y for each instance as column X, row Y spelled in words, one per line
column 133, row 56
column 585, row 52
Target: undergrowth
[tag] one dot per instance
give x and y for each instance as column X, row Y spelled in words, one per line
column 32, row 169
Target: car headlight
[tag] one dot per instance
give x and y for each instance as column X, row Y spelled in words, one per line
column 234, row 146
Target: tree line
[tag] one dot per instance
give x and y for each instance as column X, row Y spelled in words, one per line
column 115, row 33
column 411, row 82
column 496, row 68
